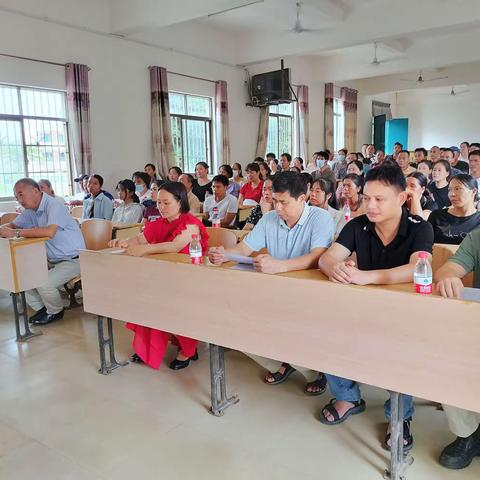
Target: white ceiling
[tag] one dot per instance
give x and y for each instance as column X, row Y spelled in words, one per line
column 411, row 34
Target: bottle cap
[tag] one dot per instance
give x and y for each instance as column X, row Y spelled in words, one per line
column 422, row 254
column 195, row 235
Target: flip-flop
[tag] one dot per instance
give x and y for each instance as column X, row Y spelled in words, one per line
column 280, row 377
column 320, row 383
column 358, row 407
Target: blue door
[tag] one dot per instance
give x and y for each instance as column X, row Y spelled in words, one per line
column 396, row 130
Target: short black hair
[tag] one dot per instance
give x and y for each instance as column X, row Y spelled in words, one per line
column 423, row 150
column 179, row 192
column 428, row 163
column 143, row 176
column 258, row 159
column 404, row 151
column 292, row 182
column 388, row 175
column 475, row 144
column 449, row 150
column 474, row 152
column 287, row 156
column 270, row 155
column 27, row 181
column 220, row 179
column 100, row 178
column 308, row 178
column 399, row 144
column 466, row 143
column 150, row 165
column 228, row 169
column 358, row 163
column 254, row 167
column 323, row 154
column 203, row 164
column 177, row 169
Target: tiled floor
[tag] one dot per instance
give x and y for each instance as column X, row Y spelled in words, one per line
column 60, row 419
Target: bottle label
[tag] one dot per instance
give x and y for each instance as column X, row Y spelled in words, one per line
column 196, row 258
column 423, row 285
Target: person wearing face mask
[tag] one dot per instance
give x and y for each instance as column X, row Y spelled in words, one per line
column 142, row 187
column 340, row 166
column 323, row 168
column 237, row 174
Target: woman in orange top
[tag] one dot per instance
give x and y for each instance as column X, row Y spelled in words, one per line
column 171, row 233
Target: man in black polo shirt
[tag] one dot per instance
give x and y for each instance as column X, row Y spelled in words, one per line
column 386, row 241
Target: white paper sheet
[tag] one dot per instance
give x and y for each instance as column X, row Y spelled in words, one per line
column 470, row 294
column 239, row 258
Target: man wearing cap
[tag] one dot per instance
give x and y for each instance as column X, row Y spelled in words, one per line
column 46, row 217
column 457, row 163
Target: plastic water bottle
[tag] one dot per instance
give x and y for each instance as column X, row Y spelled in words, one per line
column 215, row 218
column 347, row 212
column 422, row 274
column 195, row 250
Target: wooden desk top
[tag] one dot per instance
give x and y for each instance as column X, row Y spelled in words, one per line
column 21, row 242
column 123, row 226
column 383, row 336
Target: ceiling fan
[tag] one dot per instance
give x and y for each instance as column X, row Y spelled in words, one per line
column 454, row 93
column 420, row 80
column 298, row 27
column 376, row 62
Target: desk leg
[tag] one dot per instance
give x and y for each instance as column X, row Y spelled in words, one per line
column 398, row 463
column 22, row 337
column 103, row 343
column 220, row 401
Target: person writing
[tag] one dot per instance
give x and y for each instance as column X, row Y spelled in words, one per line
column 171, row 233
column 386, row 242
column 295, row 236
column 45, row 216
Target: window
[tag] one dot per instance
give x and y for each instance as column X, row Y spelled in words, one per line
column 338, row 125
column 191, row 119
column 280, row 131
column 33, row 138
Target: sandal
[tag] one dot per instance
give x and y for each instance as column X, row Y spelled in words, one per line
column 358, row 407
column 407, row 437
column 278, row 377
column 319, row 386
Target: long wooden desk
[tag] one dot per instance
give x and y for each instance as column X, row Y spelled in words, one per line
column 388, row 337
column 23, row 267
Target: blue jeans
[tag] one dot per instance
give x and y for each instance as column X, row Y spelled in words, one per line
column 349, row 391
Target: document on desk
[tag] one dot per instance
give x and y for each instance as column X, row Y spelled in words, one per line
column 470, row 294
column 239, row 258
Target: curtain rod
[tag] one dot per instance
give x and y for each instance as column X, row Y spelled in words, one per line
column 191, row 76
column 35, row 60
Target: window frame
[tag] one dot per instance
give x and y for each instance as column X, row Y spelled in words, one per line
column 293, row 134
column 208, row 127
column 21, row 119
column 338, row 118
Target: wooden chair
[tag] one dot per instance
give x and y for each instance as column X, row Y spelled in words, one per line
column 96, row 233
column 76, row 212
column 221, row 237
column 8, row 217
column 441, row 253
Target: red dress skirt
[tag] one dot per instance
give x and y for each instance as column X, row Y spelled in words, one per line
column 150, row 344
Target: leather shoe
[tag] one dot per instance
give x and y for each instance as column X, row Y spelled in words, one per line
column 460, row 453
column 38, row 315
column 136, row 359
column 179, row 364
column 51, row 318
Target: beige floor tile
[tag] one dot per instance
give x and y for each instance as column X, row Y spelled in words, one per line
column 36, row 461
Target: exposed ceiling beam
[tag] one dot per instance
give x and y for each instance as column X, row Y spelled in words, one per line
column 128, row 18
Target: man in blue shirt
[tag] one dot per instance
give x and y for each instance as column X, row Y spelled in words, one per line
column 295, row 236
column 46, row 217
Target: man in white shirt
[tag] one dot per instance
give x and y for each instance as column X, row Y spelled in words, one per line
column 226, row 204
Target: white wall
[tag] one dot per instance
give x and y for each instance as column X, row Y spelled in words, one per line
column 437, row 118
column 119, row 87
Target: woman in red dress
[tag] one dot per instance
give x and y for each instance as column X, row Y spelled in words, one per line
column 171, row 233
